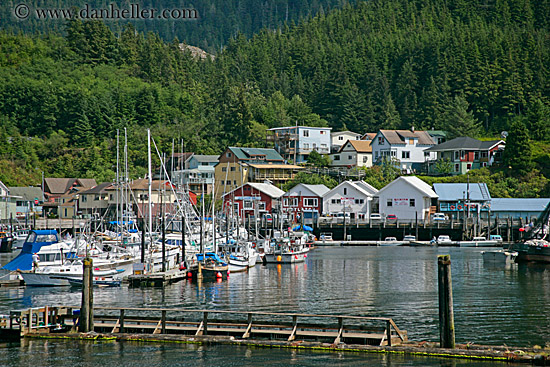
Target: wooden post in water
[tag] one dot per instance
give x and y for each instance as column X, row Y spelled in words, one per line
column 446, row 313
column 143, row 241
column 87, row 308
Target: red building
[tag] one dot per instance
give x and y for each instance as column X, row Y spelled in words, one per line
column 253, row 197
column 304, row 200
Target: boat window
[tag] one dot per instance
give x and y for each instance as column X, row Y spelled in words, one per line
column 31, row 237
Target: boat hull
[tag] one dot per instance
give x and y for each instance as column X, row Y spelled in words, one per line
column 287, row 257
column 539, row 252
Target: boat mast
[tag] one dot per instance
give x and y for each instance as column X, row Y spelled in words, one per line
column 118, row 184
column 149, row 183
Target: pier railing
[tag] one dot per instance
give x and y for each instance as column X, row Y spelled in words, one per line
column 289, row 327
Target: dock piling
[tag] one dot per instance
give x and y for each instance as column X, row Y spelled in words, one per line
column 446, row 313
column 87, row 308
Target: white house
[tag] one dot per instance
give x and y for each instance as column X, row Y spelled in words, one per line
column 408, row 197
column 354, row 153
column 339, row 138
column 403, row 146
column 353, row 197
column 306, row 200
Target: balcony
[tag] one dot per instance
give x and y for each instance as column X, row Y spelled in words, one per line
column 272, row 176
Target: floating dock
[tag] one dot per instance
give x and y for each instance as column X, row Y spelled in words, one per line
column 159, row 279
column 273, row 330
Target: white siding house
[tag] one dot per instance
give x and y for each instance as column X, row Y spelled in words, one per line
column 339, row 138
column 354, row 153
column 408, row 197
column 404, row 147
column 355, row 197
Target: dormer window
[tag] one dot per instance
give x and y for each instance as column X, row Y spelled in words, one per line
column 228, row 154
column 380, row 140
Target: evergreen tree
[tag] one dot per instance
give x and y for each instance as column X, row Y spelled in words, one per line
column 518, row 152
column 458, row 121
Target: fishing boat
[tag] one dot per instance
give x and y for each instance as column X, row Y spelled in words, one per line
column 19, row 238
column 97, row 281
column 499, row 257
column 479, row 242
column 287, row 251
column 209, row 266
column 6, row 242
column 535, row 245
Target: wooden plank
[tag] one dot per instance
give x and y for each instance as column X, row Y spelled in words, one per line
column 247, row 332
column 158, row 328
column 199, row 329
column 340, row 331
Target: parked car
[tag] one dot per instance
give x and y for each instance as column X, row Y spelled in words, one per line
column 375, row 217
column 443, row 239
column 439, row 217
column 391, row 218
column 495, row 237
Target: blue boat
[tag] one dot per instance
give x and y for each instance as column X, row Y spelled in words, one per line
column 46, row 244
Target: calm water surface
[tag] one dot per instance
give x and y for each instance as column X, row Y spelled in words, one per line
column 493, row 305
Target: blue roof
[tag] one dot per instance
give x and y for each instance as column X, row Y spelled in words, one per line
column 519, row 205
column 458, row 191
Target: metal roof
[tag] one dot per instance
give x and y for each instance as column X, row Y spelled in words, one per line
column 205, row 158
column 459, row 191
column 251, row 153
column 517, row 205
column 465, row 143
column 317, row 190
column 266, row 188
column 27, row 193
column 415, row 182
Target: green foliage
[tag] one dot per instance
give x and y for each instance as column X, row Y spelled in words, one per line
column 518, row 155
column 444, row 166
column 458, row 121
column 310, row 179
column 318, row 160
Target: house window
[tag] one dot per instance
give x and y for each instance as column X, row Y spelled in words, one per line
column 336, row 157
column 247, row 205
column 380, row 140
column 484, row 154
column 359, row 201
column 285, row 202
column 65, row 211
column 222, row 182
column 235, row 206
column 96, row 198
column 389, row 202
column 333, row 201
column 405, row 155
column 457, row 155
column 345, row 190
column 228, row 154
column 411, row 141
column 476, row 155
column 224, row 169
column 310, row 202
column 306, row 133
column 322, row 132
column 340, row 138
column 232, row 169
column 294, row 202
column 365, row 159
column 84, row 198
column 412, row 202
column 306, row 145
column 261, row 205
column 393, row 153
column 457, row 167
column 376, row 155
column 235, row 182
column 469, row 166
column 111, row 197
column 350, row 157
column 324, row 146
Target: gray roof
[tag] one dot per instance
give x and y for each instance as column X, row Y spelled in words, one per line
column 266, row 188
column 399, row 136
column 206, row 158
column 415, row 182
column 97, row 189
column 519, row 205
column 27, row 193
column 318, row 190
column 464, row 143
column 458, row 191
column 252, row 153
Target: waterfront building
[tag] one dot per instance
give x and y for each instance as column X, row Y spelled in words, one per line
column 94, row 201
column 295, row 143
column 527, row 209
column 353, row 197
column 457, row 200
column 7, row 204
column 253, row 198
column 55, row 188
column 407, row 197
column 304, row 201
column 28, row 201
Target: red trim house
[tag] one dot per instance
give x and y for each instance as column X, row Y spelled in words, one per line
column 304, row 200
column 252, row 197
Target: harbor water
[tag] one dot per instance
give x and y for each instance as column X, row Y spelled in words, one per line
column 494, row 305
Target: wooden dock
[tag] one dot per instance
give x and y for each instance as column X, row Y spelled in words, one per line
column 159, row 279
column 259, row 329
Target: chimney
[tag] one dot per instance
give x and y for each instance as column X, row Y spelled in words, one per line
column 412, row 128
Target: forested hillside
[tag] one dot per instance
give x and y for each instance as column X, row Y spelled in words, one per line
column 463, row 66
column 218, row 20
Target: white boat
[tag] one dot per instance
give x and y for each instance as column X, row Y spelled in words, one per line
column 286, row 251
column 444, row 240
column 479, row 242
column 20, row 237
column 499, row 257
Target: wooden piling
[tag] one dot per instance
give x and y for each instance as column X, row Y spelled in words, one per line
column 446, row 313
column 87, row 308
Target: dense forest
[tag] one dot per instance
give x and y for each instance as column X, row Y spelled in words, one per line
column 471, row 68
column 217, row 22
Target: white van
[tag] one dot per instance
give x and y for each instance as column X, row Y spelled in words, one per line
column 439, row 217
